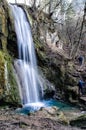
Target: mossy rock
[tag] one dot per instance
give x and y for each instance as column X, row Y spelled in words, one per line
column 79, row 122
column 70, row 80
column 8, row 85
column 71, row 94
column 2, row 73
column 12, row 92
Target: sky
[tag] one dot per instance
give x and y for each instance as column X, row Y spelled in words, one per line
column 19, row 1
column 22, row 1
column 69, row 1
column 28, row 2
column 13, row 1
column 77, row 3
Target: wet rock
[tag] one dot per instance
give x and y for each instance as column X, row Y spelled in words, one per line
column 79, row 121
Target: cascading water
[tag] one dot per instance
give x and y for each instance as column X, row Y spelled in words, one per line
column 26, row 66
column 27, row 60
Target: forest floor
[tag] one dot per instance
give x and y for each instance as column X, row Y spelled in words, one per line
column 9, row 120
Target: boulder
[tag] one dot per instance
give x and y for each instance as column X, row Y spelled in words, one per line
column 79, row 121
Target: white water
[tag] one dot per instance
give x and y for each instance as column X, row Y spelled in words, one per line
column 27, row 60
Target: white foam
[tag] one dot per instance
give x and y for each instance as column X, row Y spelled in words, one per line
column 35, row 104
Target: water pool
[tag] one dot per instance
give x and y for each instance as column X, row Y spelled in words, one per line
column 32, row 107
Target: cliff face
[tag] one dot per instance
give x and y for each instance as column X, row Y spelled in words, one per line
column 57, row 67
column 8, row 86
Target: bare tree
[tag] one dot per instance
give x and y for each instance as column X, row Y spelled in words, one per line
column 75, row 50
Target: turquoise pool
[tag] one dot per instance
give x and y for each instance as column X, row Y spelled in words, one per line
column 32, row 107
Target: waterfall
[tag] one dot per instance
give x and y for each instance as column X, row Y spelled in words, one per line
column 28, row 73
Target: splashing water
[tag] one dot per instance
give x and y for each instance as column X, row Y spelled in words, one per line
column 28, row 74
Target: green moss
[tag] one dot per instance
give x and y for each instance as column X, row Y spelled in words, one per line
column 8, row 85
column 40, row 52
column 38, row 44
column 29, row 17
column 79, row 122
column 0, row 24
column 2, row 70
column 13, row 92
column 2, row 56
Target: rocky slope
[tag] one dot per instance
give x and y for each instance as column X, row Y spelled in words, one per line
column 42, row 120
